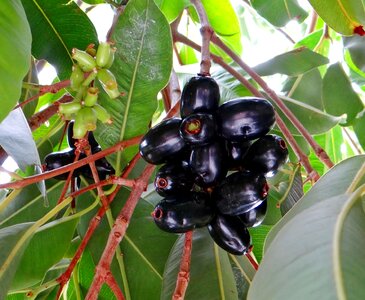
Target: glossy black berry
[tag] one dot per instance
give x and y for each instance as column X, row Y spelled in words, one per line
column 236, row 153
column 208, row 163
column 230, row 233
column 183, row 212
column 162, row 142
column 198, row 129
column 200, row 94
column 173, row 178
column 59, row 159
column 71, row 141
column 255, row 216
column 240, row 192
column 266, row 155
column 245, row 119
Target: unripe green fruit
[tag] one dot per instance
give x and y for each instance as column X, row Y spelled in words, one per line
column 103, row 54
column 69, row 108
column 109, row 83
column 85, row 61
column 77, row 77
column 91, row 96
column 102, row 114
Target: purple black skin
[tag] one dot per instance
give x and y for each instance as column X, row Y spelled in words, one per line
column 198, row 129
column 208, row 163
column 200, row 95
column 173, row 178
column 255, row 216
column 245, row 119
column 183, row 212
column 230, row 233
column 163, row 142
column 240, row 192
column 266, row 155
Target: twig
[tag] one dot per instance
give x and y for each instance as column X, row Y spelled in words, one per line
column 322, row 155
column 117, row 233
column 184, row 272
column 206, row 32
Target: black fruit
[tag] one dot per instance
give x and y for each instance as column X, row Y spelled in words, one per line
column 183, row 212
column 173, row 178
column 245, row 119
column 255, row 216
column 209, row 163
column 266, row 155
column 198, row 129
column 236, row 153
column 71, row 141
column 240, row 192
column 230, row 233
column 59, row 159
column 162, row 142
column 200, row 94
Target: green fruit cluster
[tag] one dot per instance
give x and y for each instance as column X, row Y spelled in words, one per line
column 90, row 65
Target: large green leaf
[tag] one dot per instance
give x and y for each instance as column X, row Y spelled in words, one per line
column 292, row 63
column 9, row 260
column 338, row 95
column 326, row 239
column 344, row 16
column 313, row 119
column 15, row 55
column 45, row 249
column 334, row 182
column 57, row 27
column 211, row 275
column 142, row 68
column 279, row 12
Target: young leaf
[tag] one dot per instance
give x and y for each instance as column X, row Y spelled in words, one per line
column 324, row 239
column 15, row 56
column 338, row 95
column 55, row 34
column 292, row 63
column 279, row 12
column 142, row 67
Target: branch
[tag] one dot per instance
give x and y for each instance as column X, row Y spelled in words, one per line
column 117, row 233
column 184, row 273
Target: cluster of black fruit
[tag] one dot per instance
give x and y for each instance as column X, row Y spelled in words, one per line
column 59, row 159
column 199, row 149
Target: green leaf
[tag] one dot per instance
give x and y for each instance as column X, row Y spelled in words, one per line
column 343, row 16
column 359, row 128
column 335, row 182
column 211, row 275
column 356, row 47
column 338, row 96
column 324, row 239
column 292, row 63
column 15, row 55
column 57, row 27
column 142, row 68
column 9, row 260
column 171, row 9
column 313, row 119
column 279, row 12
column 44, row 250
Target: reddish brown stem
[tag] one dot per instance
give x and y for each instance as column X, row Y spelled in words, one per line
column 322, row 155
column 184, row 272
column 36, row 178
column 117, row 232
